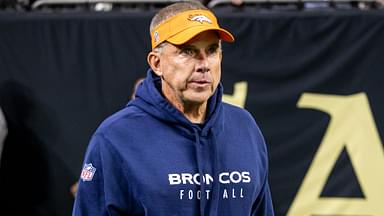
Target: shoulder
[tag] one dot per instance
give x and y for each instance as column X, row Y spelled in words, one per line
column 125, row 119
column 243, row 121
column 236, row 113
column 117, row 130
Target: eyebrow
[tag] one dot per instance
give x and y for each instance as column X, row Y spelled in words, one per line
column 183, row 46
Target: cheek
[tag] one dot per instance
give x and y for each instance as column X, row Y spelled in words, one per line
column 216, row 78
column 175, row 71
column 216, row 70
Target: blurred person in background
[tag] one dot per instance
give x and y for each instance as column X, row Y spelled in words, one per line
column 24, row 176
column 3, row 131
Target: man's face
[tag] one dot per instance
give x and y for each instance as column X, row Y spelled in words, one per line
column 191, row 72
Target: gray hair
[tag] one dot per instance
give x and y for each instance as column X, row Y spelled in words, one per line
column 172, row 10
column 160, row 47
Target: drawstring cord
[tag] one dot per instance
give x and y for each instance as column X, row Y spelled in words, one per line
column 213, row 156
column 200, row 170
column 215, row 168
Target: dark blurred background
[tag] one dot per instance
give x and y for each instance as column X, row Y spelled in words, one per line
column 66, row 65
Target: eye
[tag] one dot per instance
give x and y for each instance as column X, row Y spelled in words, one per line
column 213, row 49
column 187, row 51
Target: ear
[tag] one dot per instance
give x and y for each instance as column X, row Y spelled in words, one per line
column 153, row 60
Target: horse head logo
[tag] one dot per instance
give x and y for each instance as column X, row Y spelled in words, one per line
column 200, row 18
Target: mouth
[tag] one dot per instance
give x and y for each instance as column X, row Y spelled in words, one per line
column 200, row 83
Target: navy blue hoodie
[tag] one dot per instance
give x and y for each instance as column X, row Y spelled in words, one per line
column 149, row 159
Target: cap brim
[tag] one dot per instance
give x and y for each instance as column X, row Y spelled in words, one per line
column 187, row 34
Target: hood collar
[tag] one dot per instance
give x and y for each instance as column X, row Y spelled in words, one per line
column 150, row 99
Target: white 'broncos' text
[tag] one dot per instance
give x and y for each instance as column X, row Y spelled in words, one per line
column 227, row 179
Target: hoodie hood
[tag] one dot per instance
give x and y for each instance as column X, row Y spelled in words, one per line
column 150, row 99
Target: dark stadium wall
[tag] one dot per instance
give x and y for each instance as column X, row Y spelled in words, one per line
column 314, row 84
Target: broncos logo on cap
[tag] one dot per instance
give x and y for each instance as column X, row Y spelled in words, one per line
column 200, row 18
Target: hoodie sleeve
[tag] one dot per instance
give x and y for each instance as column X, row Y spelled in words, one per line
column 101, row 189
column 263, row 203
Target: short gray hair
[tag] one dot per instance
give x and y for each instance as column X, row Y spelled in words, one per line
column 160, row 47
column 172, row 10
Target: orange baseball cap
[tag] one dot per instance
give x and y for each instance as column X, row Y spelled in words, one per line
column 185, row 25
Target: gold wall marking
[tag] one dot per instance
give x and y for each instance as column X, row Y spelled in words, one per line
column 239, row 95
column 351, row 126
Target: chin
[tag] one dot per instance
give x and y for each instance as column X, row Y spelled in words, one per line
column 198, row 98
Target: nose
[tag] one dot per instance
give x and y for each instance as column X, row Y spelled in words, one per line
column 202, row 64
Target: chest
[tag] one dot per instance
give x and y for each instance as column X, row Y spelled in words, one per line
column 185, row 172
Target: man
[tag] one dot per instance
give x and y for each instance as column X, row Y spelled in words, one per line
column 176, row 149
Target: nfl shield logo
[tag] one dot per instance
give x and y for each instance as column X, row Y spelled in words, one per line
column 88, row 172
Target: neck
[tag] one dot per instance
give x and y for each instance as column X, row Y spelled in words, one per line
column 194, row 112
